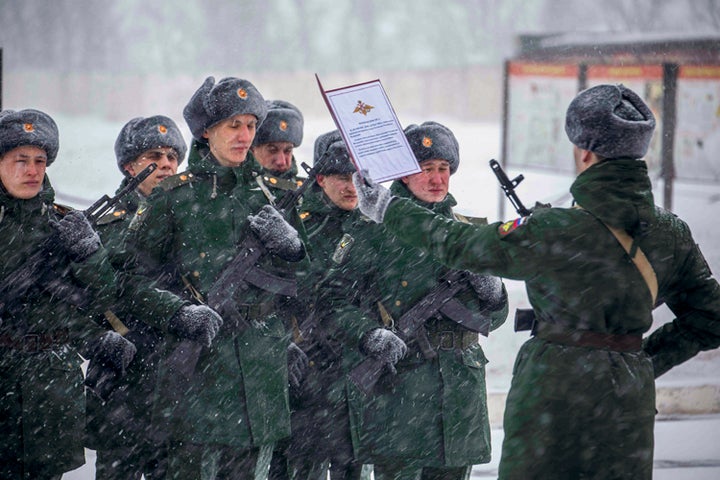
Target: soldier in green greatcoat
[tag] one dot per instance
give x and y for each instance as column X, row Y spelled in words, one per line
column 275, row 143
column 430, row 420
column 321, row 438
column 119, row 410
column 234, row 406
column 582, row 399
column 46, row 313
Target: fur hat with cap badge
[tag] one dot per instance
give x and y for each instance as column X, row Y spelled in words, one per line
column 283, row 123
column 431, row 140
column 213, row 103
column 331, row 155
column 611, row 121
column 29, row 127
column 141, row 134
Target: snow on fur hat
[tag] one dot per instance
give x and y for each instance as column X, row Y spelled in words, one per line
column 331, row 155
column 432, row 140
column 141, row 134
column 212, row 103
column 29, row 127
column 283, row 123
column 611, row 121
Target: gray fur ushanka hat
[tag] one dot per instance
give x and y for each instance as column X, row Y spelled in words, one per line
column 611, row 121
column 432, row 140
column 283, row 123
column 331, row 155
column 141, row 134
column 212, row 103
column 29, row 127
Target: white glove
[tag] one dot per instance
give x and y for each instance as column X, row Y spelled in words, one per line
column 373, row 199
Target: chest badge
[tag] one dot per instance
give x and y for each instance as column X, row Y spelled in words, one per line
column 342, row 249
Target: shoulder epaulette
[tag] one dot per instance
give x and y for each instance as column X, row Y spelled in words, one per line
column 281, row 183
column 176, row 181
column 114, row 216
column 472, row 220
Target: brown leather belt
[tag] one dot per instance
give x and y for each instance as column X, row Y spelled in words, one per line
column 585, row 338
column 452, row 340
column 35, row 342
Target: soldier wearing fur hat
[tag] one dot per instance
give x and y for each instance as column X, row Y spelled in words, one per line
column 431, row 419
column 320, row 413
column 277, row 137
column 235, row 404
column 119, row 423
column 582, row 399
column 45, row 326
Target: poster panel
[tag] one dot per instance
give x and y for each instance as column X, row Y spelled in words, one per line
column 697, row 128
column 538, row 96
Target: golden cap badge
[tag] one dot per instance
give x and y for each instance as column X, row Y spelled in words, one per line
column 427, row 142
column 283, row 125
column 162, row 129
column 242, row 93
column 28, row 127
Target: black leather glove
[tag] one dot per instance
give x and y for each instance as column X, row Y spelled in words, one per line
column 384, row 345
column 297, row 366
column 278, row 236
column 76, row 236
column 373, row 199
column 199, row 323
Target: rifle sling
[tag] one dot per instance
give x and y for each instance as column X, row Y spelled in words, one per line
column 271, row 283
column 637, row 256
column 639, row 259
column 460, row 314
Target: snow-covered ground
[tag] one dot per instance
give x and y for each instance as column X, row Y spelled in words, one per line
column 86, row 169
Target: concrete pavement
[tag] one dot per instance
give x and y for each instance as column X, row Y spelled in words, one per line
column 687, row 447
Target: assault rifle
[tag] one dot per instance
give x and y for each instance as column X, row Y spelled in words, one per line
column 508, row 187
column 524, row 317
column 411, row 326
column 15, row 286
column 238, row 273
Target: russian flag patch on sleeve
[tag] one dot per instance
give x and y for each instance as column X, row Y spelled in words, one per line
column 511, row 225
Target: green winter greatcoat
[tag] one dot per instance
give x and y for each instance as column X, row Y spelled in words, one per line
column 238, row 395
column 433, row 413
column 42, row 402
column 572, row 411
column 321, row 425
column 124, row 418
